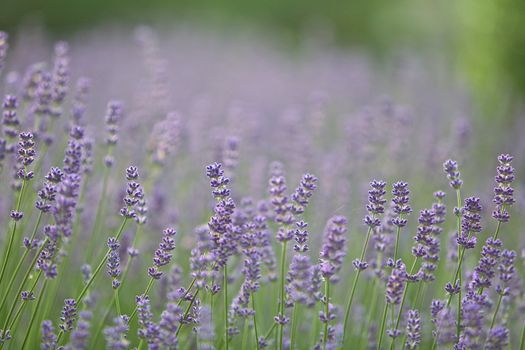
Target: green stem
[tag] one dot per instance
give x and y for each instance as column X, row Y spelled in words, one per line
column 20, row 309
column 255, row 323
column 354, row 287
column 458, row 322
column 522, row 341
column 101, row 204
column 398, row 231
column 281, row 300
column 495, row 312
column 294, row 326
column 13, row 233
column 150, row 284
column 371, row 313
column 380, row 341
column 21, row 287
column 95, row 273
column 117, row 301
column 225, row 283
column 33, row 316
column 326, row 310
column 244, row 334
column 20, row 262
column 188, row 310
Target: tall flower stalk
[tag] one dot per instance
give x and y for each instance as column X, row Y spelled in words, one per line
column 375, row 208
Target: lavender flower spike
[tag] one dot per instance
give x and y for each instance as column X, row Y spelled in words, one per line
column 333, row 250
column 162, row 255
column 453, row 174
column 503, row 192
column 413, row 329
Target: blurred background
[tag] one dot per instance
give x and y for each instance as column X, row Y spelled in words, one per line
column 483, row 41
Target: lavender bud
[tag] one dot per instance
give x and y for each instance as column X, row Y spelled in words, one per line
column 452, row 171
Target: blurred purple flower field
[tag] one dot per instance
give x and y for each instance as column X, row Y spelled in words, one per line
column 196, row 190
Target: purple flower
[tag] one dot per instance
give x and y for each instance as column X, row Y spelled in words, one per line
column 472, row 311
column 60, row 77
column 301, row 237
column 80, row 336
column 78, row 108
column 26, row 155
column 470, row 223
column 134, row 194
column 69, row 313
column 280, row 201
column 113, row 116
column 224, row 233
column 503, row 192
column 452, row 171
column 148, row 330
column 400, row 200
column 49, row 338
column 485, row 270
column 427, row 245
column 498, row 338
column 333, row 250
column 395, row 285
column 162, row 255
column 230, row 155
column 376, row 203
column 116, row 335
column 506, row 271
column 10, row 121
column 113, row 262
column 302, row 194
column 413, row 329
column 299, row 279
column 169, row 321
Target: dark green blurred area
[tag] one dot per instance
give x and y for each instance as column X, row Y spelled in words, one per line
column 484, row 40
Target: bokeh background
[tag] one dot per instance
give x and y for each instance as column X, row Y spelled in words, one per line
column 483, row 40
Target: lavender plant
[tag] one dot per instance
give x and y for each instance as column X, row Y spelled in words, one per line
column 245, row 268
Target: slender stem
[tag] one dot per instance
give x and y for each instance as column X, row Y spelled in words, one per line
column 371, row 313
column 99, row 267
column 13, row 233
column 33, row 316
column 150, row 283
column 20, row 262
column 188, row 310
column 294, row 326
column 225, row 284
column 117, row 301
column 270, row 331
column 9, row 326
column 95, row 273
column 458, row 322
column 24, row 280
column 141, row 342
column 101, row 204
column 245, row 334
column 281, row 300
column 101, row 326
column 354, row 286
column 522, row 341
column 326, row 310
column 255, row 323
column 398, row 231
column 495, row 313
column 380, row 341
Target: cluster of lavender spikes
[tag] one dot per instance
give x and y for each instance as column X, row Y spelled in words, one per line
column 51, row 298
